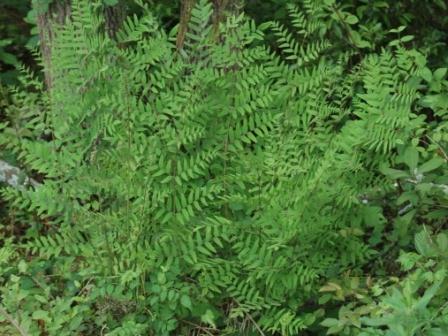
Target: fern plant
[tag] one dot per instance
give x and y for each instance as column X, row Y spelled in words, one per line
column 210, row 188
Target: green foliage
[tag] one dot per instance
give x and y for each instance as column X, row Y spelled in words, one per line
column 414, row 306
column 229, row 187
column 14, row 39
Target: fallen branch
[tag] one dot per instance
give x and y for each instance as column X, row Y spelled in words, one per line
column 15, row 177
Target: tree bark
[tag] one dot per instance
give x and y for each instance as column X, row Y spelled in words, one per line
column 221, row 8
column 114, row 16
column 57, row 13
column 185, row 14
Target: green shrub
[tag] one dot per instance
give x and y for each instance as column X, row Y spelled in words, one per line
column 217, row 188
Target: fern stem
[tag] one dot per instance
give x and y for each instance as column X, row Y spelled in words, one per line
column 346, row 27
column 255, row 325
column 14, row 322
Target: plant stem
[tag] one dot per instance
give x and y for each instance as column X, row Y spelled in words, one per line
column 13, row 322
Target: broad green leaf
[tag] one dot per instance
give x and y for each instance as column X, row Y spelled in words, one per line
column 335, row 329
column 431, row 165
column 437, row 101
column 186, row 301
column 161, row 278
column 410, row 157
column 358, row 41
column 209, row 318
column 427, row 297
column 407, row 38
column 329, row 322
column 23, row 266
column 423, row 244
column 40, row 315
column 426, row 74
column 442, row 242
column 396, row 300
column 110, row 2
column 351, row 19
column 408, row 260
column 436, row 332
column 440, row 73
column 397, row 30
column 393, row 173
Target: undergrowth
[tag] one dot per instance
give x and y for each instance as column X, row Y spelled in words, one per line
column 238, row 187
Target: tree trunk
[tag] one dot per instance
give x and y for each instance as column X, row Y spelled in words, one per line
column 185, row 14
column 221, row 8
column 114, row 16
column 57, row 13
